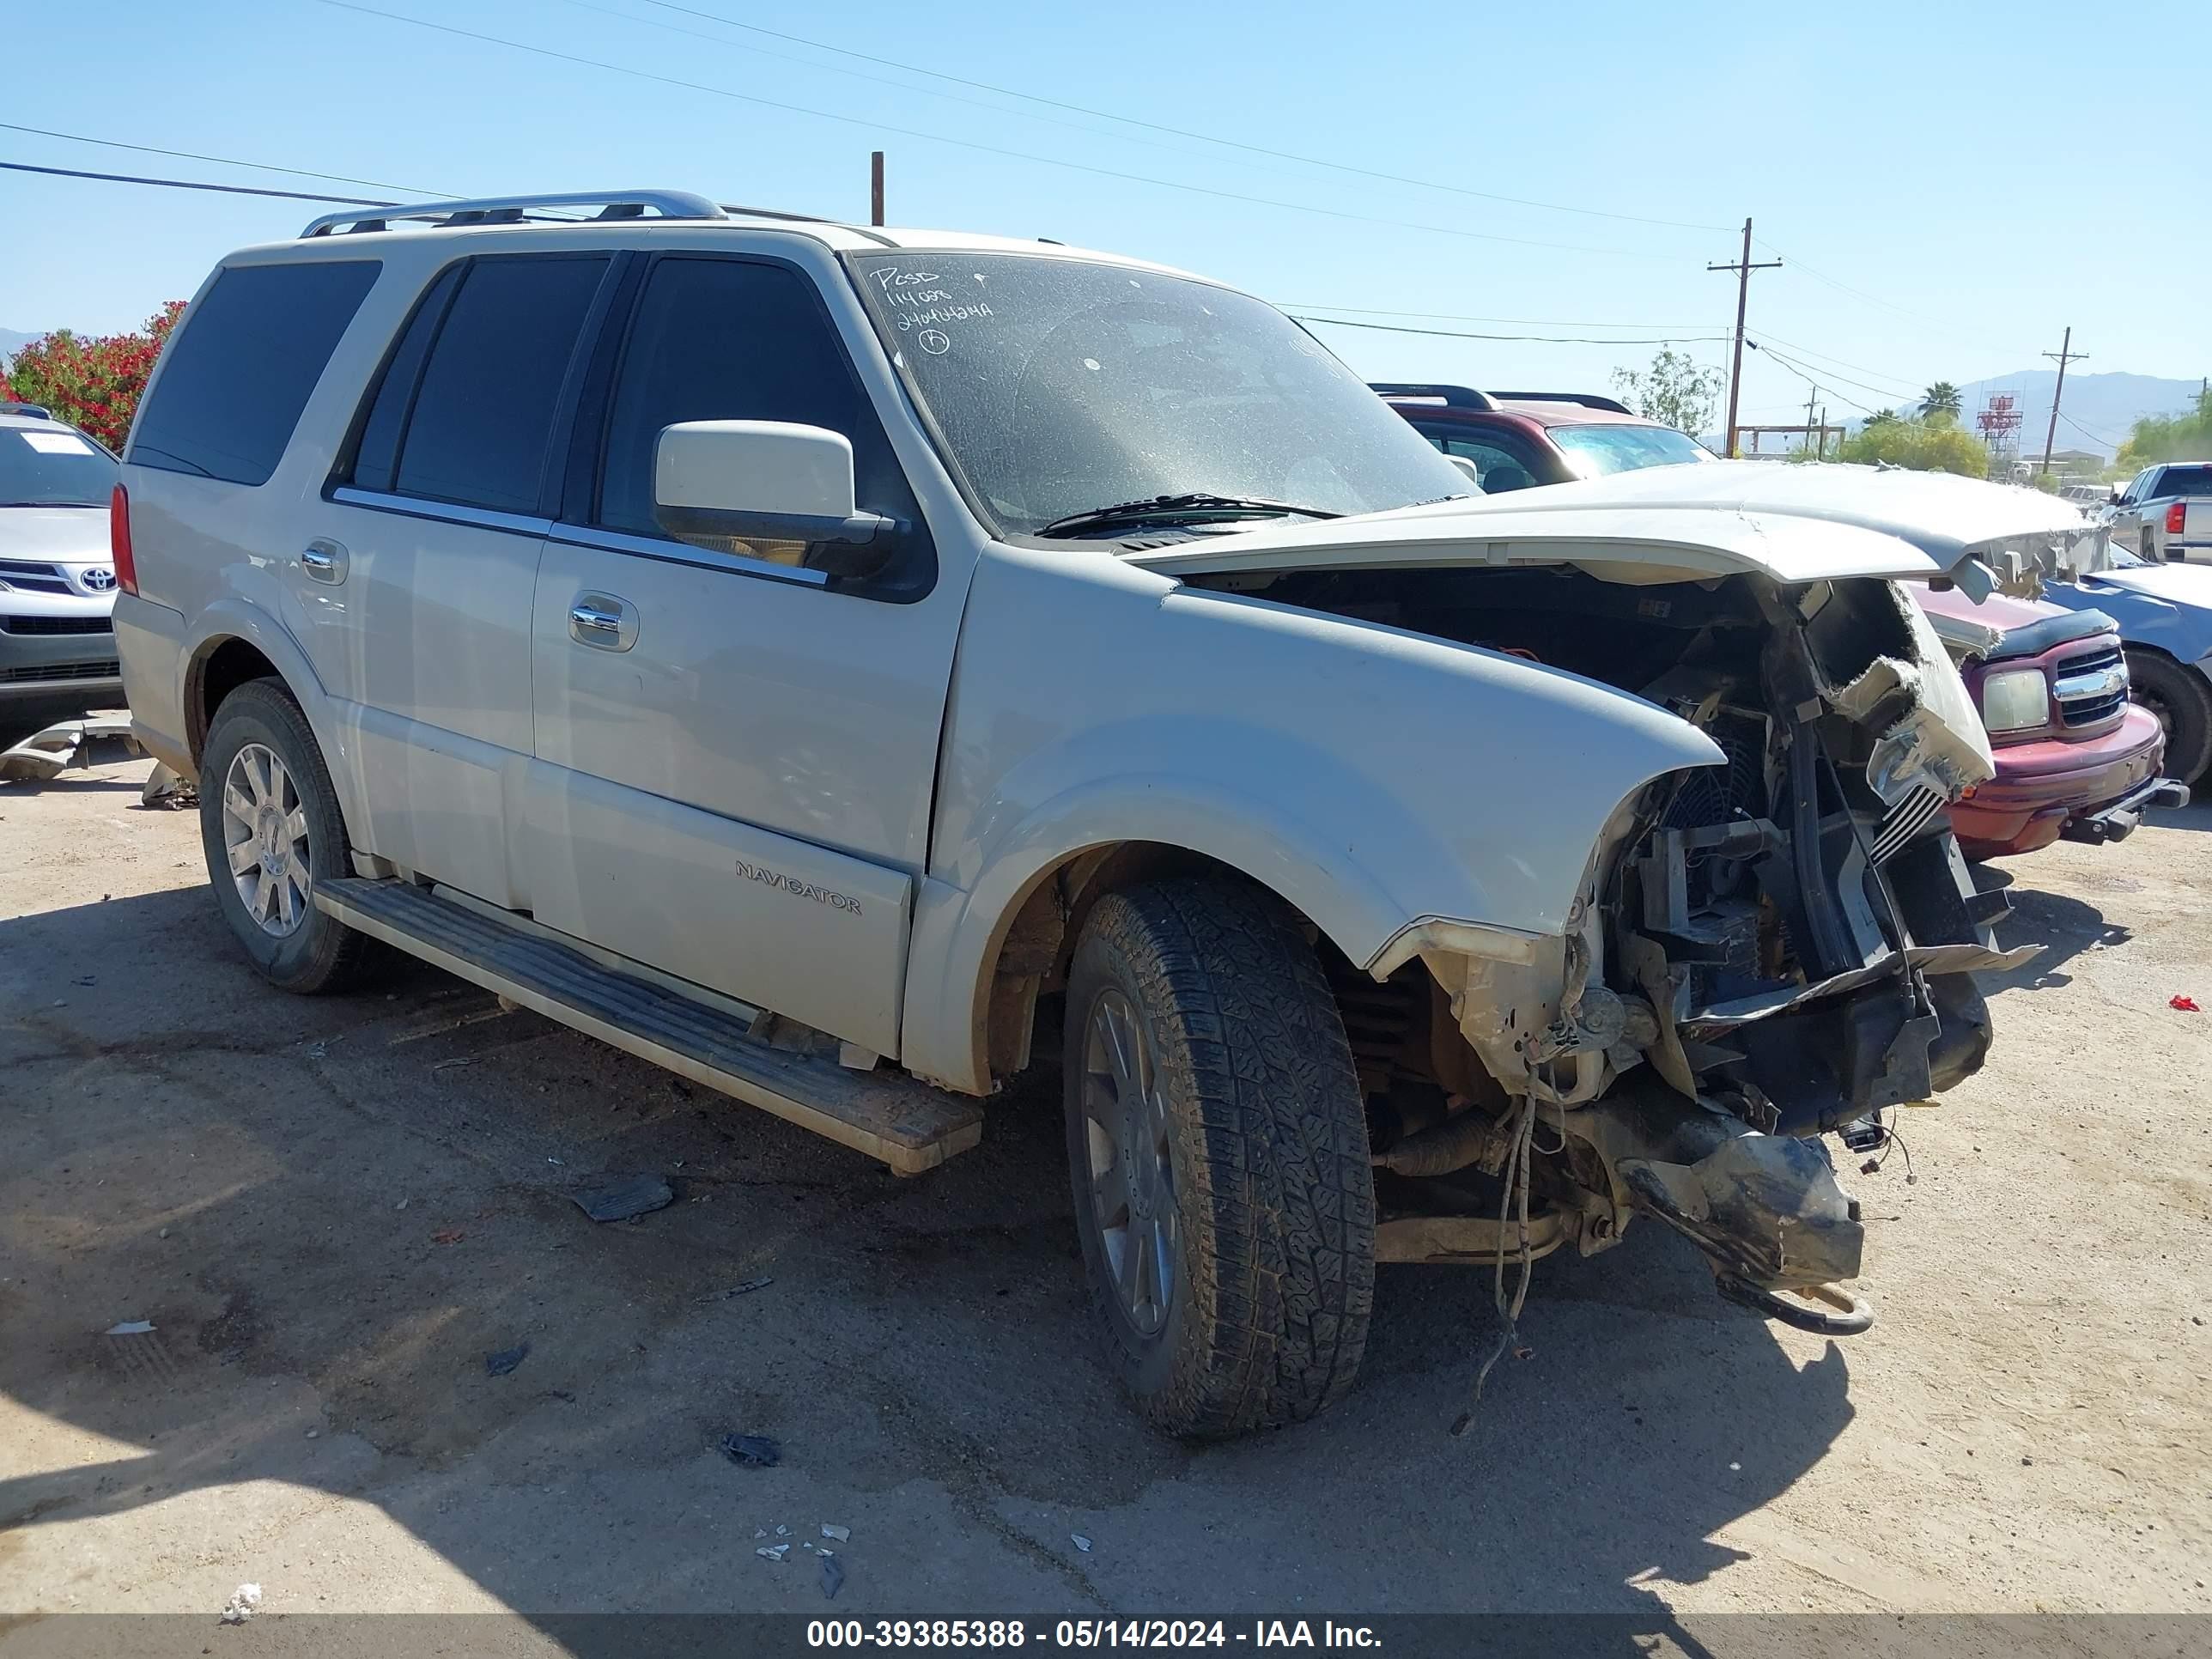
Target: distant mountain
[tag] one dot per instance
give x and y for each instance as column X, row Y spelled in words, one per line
column 10, row 340
column 2097, row 414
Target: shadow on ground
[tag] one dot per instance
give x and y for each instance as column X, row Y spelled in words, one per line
column 362, row 1197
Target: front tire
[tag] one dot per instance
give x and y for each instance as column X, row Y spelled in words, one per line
column 1218, row 1152
column 269, row 826
column 2182, row 699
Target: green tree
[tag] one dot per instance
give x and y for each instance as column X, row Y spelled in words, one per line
column 2169, row 438
column 1880, row 416
column 1941, row 398
column 1676, row 390
column 1922, row 446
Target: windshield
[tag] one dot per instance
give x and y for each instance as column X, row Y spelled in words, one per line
column 1058, row 386
column 1595, row 451
column 53, row 468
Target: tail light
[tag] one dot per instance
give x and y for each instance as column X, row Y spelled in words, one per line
column 118, row 541
column 2176, row 517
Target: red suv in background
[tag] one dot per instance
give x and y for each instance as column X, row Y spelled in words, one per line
column 1516, row 439
column 2074, row 756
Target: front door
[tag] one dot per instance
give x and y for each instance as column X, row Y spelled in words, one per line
column 417, row 586
column 735, row 755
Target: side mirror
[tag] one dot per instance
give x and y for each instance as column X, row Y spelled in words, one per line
column 1474, row 472
column 768, row 481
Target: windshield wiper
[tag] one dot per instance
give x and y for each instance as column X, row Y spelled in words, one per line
column 1176, row 509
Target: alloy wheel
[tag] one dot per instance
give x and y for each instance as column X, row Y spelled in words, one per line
column 1130, row 1161
column 264, row 833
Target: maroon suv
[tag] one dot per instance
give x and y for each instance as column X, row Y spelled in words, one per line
column 2074, row 756
column 1516, row 439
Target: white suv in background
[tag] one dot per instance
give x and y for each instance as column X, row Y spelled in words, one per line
column 57, row 582
column 812, row 657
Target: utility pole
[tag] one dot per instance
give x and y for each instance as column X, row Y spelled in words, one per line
column 1809, row 427
column 2063, row 355
column 1743, row 268
column 875, row 187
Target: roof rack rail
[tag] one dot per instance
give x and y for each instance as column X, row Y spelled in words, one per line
column 30, row 412
column 517, row 209
column 1454, row 396
column 1585, row 400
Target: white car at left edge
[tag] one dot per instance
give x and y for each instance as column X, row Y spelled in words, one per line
column 56, row 583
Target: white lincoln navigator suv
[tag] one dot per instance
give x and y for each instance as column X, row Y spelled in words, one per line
column 818, row 660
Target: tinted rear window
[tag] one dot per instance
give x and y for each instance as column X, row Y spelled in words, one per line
column 237, row 376
column 483, row 411
column 2185, row 481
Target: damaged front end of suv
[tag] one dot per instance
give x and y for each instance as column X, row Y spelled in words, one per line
column 1764, row 952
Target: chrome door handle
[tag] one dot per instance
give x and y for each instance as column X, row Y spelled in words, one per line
column 323, row 561
column 603, row 621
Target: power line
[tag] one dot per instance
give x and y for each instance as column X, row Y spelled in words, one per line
column 1155, row 126
column 194, row 184
column 2094, row 437
column 1807, row 376
column 221, row 160
column 1906, row 391
column 962, row 144
column 1846, row 380
column 1548, row 339
column 1461, row 317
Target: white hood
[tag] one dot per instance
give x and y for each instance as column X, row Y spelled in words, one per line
column 1793, row 522
column 54, row 535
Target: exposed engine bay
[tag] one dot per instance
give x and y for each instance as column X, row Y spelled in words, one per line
column 1764, row 951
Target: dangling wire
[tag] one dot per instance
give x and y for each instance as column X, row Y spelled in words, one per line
column 1514, row 1203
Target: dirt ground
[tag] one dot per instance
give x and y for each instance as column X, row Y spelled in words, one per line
column 332, row 1210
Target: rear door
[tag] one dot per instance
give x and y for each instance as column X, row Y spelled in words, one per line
column 418, row 581
column 735, row 764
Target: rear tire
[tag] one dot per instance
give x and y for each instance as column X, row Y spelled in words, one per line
column 1217, row 1147
column 269, row 826
column 2182, row 699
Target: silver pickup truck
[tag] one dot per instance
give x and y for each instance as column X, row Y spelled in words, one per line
column 849, row 665
column 2165, row 512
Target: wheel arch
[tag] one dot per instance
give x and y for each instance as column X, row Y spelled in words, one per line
column 980, row 960
column 237, row 643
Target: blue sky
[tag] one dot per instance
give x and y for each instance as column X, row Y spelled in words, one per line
column 1895, row 147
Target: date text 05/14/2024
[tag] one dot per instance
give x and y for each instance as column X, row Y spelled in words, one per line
column 1086, row 1633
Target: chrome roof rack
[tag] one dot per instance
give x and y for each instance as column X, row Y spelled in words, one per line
column 517, row 209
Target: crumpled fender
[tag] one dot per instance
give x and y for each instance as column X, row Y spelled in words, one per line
column 1377, row 780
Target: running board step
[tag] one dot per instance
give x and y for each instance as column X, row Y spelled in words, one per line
column 906, row 1123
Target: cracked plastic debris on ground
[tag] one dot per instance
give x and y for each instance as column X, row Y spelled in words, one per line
column 245, row 1601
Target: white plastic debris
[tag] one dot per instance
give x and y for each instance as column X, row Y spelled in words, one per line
column 782, row 1531
column 1081, row 1542
column 843, row 1534
column 132, row 1328
column 772, row 1551
column 245, row 1601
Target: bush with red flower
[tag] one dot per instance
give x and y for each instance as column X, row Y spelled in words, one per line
column 90, row 383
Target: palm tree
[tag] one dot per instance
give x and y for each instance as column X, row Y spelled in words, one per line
column 1941, row 399
column 1880, row 416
